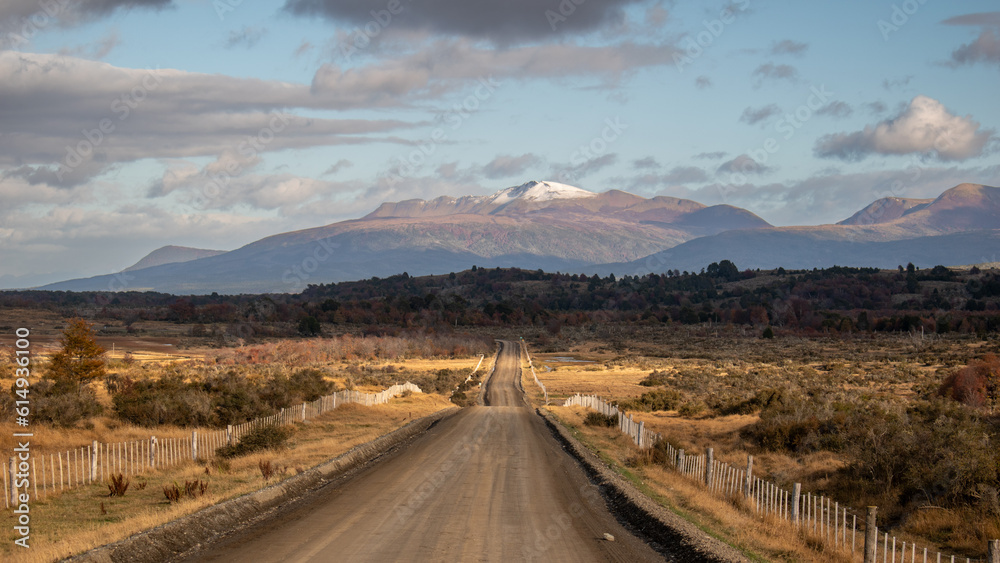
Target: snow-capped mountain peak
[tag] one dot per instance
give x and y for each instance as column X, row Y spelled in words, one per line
column 538, row 191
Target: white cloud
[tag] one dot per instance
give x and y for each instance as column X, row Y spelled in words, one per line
column 924, row 127
column 75, row 117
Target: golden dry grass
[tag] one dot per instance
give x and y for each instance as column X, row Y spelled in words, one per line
column 72, row 522
column 729, row 519
column 434, row 364
column 896, row 370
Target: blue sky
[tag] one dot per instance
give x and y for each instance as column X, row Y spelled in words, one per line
column 126, row 125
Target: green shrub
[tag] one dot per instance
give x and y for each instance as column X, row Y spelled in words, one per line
column 168, row 400
column 654, row 379
column 691, row 409
column 62, row 402
column 658, row 454
column 235, row 399
column 303, row 386
column 594, row 418
column 658, row 400
column 263, row 438
column 762, row 400
column 217, row 400
column 934, row 452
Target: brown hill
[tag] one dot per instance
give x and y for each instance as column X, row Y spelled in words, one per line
column 966, row 207
column 885, row 210
column 536, row 218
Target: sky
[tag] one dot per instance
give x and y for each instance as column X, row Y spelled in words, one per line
column 127, row 125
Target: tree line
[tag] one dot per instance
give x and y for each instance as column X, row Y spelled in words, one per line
column 836, row 299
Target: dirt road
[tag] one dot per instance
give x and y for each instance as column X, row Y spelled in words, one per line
column 488, row 484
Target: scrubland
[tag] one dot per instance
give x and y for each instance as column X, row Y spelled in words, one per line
column 903, row 422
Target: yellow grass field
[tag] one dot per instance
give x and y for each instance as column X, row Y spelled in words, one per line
column 731, row 520
column 73, row 521
column 890, row 371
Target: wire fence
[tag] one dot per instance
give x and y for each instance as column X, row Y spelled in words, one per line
column 56, row 472
column 818, row 517
column 524, row 348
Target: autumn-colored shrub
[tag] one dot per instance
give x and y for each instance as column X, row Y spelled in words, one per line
column 976, row 385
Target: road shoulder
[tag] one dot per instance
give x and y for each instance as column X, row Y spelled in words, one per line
column 179, row 538
column 653, row 522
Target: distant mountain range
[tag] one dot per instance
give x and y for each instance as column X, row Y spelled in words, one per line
column 958, row 227
column 553, row 227
column 172, row 255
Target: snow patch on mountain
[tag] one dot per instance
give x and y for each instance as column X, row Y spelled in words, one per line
column 538, row 191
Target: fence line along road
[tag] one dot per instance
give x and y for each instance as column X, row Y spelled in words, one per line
column 524, row 348
column 818, row 517
column 97, row 462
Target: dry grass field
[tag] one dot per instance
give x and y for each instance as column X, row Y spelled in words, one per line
column 77, row 519
column 86, row 517
column 801, row 406
column 713, row 388
column 728, row 519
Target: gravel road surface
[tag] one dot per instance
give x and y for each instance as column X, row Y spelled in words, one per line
column 487, row 484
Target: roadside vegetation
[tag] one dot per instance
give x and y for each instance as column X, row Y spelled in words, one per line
column 904, row 423
column 80, row 394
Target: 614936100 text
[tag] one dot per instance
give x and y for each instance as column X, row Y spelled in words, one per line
column 20, row 462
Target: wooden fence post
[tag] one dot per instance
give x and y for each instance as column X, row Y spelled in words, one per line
column 229, row 434
column 993, row 552
column 94, row 449
column 748, row 487
column 152, row 452
column 797, row 495
column 709, row 459
column 871, row 535
column 194, row 445
column 680, row 460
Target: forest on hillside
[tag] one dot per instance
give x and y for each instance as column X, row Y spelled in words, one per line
column 806, row 302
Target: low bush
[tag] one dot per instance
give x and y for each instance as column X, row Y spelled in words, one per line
column 654, row 379
column 172, row 492
column 267, row 469
column 658, row 400
column 600, row 419
column 192, row 489
column 117, row 485
column 658, row 454
column 63, row 403
column 691, row 409
column 303, row 386
column 215, row 400
column 168, row 400
column 976, row 385
column 263, row 438
column 762, row 400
